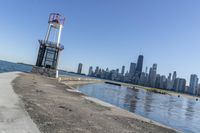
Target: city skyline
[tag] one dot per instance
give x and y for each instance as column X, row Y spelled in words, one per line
column 107, row 33
column 136, row 75
column 132, row 68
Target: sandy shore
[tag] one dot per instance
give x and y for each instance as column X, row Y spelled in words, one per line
column 56, row 110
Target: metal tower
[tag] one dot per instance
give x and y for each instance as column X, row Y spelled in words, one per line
column 50, row 47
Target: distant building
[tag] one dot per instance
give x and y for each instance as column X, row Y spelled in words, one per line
column 96, row 71
column 198, row 90
column 139, row 66
column 126, row 77
column 90, row 72
column 182, row 85
column 169, row 82
column 163, row 82
column 146, row 70
column 157, row 84
column 173, row 79
column 152, row 75
column 132, row 70
column 143, row 79
column 179, row 85
column 80, row 65
column 123, row 70
column 193, row 84
column 117, row 71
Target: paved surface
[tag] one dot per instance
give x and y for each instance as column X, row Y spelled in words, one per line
column 13, row 117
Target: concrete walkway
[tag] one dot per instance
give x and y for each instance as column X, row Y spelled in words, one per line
column 13, row 117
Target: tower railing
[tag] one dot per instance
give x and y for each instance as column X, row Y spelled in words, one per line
column 56, row 18
column 51, row 44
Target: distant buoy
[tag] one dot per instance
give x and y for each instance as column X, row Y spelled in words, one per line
column 197, row 99
column 178, row 95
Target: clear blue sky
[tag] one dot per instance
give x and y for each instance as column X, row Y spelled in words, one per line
column 107, row 33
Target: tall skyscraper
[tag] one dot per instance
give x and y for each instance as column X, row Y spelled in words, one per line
column 163, row 82
column 139, row 66
column 152, row 75
column 173, row 79
column 182, row 85
column 80, row 65
column 90, row 72
column 169, row 76
column 169, row 82
column 132, row 69
column 143, row 79
column 123, row 70
column 96, row 72
column 193, row 84
column 179, row 84
column 157, row 84
column 198, row 90
column 117, row 71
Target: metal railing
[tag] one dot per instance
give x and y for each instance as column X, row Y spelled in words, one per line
column 51, row 44
column 56, row 18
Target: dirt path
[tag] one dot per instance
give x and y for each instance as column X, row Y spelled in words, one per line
column 56, row 110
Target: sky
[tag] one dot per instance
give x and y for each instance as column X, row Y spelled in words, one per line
column 107, row 33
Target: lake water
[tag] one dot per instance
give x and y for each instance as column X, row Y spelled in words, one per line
column 10, row 67
column 6, row 66
column 180, row 113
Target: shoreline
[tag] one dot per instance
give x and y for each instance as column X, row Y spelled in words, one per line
column 159, row 90
column 73, row 84
column 55, row 109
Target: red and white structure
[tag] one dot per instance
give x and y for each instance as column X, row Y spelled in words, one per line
column 50, row 47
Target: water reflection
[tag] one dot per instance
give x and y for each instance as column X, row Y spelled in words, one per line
column 147, row 103
column 189, row 110
column 176, row 112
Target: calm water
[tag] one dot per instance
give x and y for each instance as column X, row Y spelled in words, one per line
column 180, row 113
column 10, row 67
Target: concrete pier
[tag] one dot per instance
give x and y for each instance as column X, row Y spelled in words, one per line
column 13, row 117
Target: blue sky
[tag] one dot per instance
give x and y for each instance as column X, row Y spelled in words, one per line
column 107, row 33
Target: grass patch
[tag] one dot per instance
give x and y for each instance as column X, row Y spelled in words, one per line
column 157, row 91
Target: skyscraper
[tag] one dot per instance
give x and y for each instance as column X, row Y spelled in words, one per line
column 173, row 79
column 123, row 70
column 163, row 82
column 179, row 84
column 80, row 65
column 169, row 82
column 157, row 84
column 152, row 75
column 132, row 69
column 138, row 69
column 182, row 85
column 143, row 79
column 90, row 72
column 193, row 84
column 96, row 71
